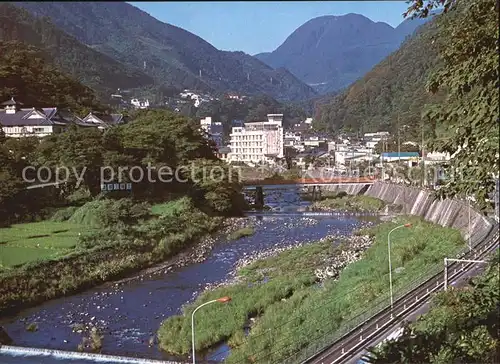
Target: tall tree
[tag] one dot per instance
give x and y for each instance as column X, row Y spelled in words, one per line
column 467, row 43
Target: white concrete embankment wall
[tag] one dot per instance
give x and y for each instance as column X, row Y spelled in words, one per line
column 445, row 212
column 61, row 354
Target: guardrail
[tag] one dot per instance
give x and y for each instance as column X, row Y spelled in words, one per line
column 305, row 181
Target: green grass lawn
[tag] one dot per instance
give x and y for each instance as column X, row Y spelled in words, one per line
column 22, row 243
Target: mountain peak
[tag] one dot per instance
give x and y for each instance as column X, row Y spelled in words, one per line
column 332, row 51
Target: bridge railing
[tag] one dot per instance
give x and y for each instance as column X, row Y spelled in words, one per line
column 335, row 180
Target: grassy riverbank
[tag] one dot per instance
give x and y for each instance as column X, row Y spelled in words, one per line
column 358, row 203
column 59, row 235
column 290, row 310
column 117, row 238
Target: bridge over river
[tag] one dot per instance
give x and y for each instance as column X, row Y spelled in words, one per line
column 308, row 182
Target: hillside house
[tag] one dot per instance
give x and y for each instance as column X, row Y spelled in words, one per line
column 20, row 122
column 100, row 121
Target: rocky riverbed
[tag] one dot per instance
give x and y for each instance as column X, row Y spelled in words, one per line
column 354, row 247
column 352, row 250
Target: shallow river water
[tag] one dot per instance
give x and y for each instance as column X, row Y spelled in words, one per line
column 130, row 313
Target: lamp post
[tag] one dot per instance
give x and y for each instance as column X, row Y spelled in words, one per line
column 221, row 300
column 390, row 263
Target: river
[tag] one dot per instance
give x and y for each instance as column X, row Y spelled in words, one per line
column 129, row 313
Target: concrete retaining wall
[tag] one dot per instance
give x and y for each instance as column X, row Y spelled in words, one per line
column 448, row 213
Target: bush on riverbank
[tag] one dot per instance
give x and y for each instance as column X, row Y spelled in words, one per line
column 291, row 310
column 241, row 233
column 358, row 203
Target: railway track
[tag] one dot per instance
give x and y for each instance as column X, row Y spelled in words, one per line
column 386, row 320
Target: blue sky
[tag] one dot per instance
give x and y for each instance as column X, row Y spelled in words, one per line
column 255, row 27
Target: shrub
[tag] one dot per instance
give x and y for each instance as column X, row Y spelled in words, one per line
column 64, row 214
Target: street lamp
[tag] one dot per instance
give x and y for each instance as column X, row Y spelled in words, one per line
column 221, row 300
column 390, row 264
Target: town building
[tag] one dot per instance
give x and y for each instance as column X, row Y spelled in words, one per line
column 20, row 122
column 223, row 153
column 214, row 129
column 258, row 142
column 292, row 139
column 371, row 139
column 411, row 157
column 140, row 104
column 436, row 157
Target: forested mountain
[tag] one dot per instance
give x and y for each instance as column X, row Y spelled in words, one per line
column 392, row 92
column 331, row 52
column 27, row 76
column 92, row 68
column 171, row 55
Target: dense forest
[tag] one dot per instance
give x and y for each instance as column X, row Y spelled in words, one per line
column 94, row 69
column 169, row 54
column 27, row 76
column 253, row 108
column 156, row 137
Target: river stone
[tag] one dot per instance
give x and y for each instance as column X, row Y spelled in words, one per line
column 5, row 339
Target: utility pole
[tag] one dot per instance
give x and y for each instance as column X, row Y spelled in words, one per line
column 422, row 150
column 399, row 165
column 469, row 227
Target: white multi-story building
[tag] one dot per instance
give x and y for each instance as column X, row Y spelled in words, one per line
column 258, row 142
column 214, row 129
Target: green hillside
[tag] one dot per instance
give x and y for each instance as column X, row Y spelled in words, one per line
column 92, row 68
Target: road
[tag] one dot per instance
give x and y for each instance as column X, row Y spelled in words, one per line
column 351, row 346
